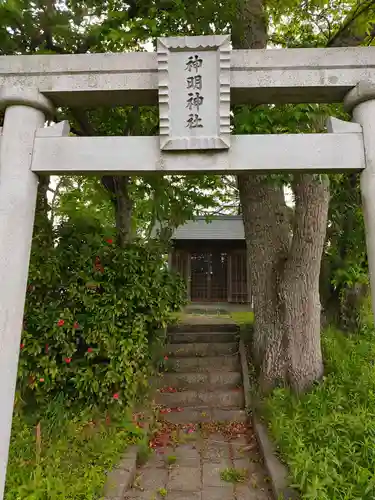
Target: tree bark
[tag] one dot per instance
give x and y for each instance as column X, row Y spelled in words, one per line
column 300, row 283
column 284, row 264
column 267, row 239
column 266, row 228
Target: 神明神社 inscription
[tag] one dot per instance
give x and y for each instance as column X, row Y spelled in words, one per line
column 195, row 99
column 194, row 93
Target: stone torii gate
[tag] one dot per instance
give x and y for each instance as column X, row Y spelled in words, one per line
column 194, row 80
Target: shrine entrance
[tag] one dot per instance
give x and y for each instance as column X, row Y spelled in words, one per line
column 213, row 274
column 209, row 274
column 194, row 81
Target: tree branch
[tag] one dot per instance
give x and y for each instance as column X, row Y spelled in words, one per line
column 340, row 38
column 81, row 118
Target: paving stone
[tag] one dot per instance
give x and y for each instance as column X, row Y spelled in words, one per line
column 241, row 463
column 156, row 460
column 143, row 495
column 117, row 482
column 184, row 495
column 238, row 448
column 253, row 468
column 139, row 494
column 152, row 479
column 211, row 475
column 187, row 455
column 185, row 479
column 239, row 440
column 215, row 451
column 217, row 493
column 246, row 492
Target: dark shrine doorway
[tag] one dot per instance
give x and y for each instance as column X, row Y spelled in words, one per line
column 209, row 272
column 216, row 274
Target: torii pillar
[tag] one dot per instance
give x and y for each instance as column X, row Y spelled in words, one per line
column 25, row 113
column 360, row 101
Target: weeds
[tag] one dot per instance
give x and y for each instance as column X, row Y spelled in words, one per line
column 231, row 475
column 171, row 459
column 64, row 454
column 326, row 436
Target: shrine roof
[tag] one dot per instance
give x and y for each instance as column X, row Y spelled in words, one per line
column 225, row 227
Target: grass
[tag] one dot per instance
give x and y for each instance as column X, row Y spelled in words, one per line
column 327, row 436
column 243, row 318
column 59, row 454
column 231, row 475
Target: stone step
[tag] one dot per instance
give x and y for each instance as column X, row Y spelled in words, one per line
column 202, row 349
column 215, row 326
column 205, row 364
column 201, row 337
column 204, row 414
column 233, row 398
column 211, row 380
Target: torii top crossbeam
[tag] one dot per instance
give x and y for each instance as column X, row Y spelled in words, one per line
column 194, row 80
column 256, row 76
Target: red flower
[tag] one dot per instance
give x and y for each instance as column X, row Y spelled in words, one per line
column 22, row 346
column 67, row 360
column 61, row 322
column 76, row 325
column 90, row 349
column 46, row 349
column 41, row 379
column 109, row 241
column 116, row 396
column 166, row 358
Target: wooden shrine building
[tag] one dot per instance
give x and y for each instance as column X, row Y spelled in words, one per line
column 211, row 257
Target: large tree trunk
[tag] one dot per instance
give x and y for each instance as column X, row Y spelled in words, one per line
column 266, row 229
column 300, row 283
column 284, row 265
column 267, row 239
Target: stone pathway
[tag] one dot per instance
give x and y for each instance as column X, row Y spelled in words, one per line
column 195, row 457
column 203, row 463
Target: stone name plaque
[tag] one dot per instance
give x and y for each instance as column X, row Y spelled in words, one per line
column 194, row 92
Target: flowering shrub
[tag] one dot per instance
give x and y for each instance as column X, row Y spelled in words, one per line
column 91, row 313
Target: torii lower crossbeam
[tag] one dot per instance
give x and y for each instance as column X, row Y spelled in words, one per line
column 142, row 155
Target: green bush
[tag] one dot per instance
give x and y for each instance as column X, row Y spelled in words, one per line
column 327, row 436
column 92, row 312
